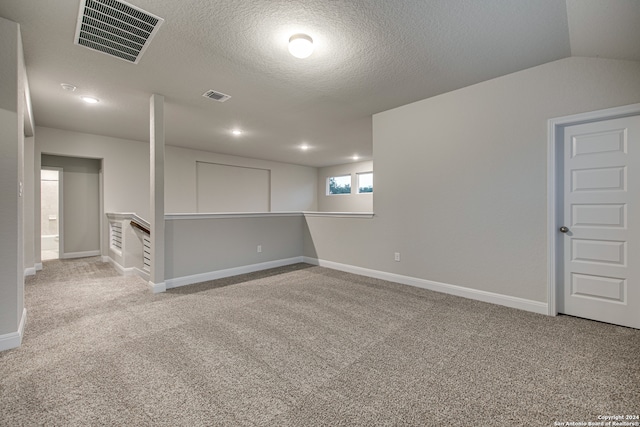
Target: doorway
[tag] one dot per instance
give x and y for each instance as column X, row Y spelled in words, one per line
column 80, row 209
column 594, row 234
column 51, row 213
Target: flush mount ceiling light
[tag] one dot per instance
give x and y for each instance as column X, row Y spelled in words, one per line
column 236, row 132
column 300, row 45
column 355, row 157
column 90, row 99
column 304, row 147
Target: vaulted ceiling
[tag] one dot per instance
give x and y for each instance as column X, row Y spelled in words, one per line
column 370, row 56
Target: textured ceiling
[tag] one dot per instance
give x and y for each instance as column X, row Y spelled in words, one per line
column 370, row 56
column 608, row 29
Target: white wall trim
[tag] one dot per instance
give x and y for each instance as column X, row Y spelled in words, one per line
column 130, row 271
column 228, row 272
column 474, row 294
column 123, row 271
column 127, row 216
column 140, row 220
column 123, row 216
column 555, row 139
column 84, row 254
column 38, row 266
column 14, row 339
column 339, row 214
column 120, row 216
column 490, row 297
column 30, row 271
column 228, row 215
column 141, row 273
column 157, row 288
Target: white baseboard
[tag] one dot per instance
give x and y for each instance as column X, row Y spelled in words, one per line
column 14, row 339
column 141, row 273
column 38, row 266
column 123, row 271
column 69, row 255
column 30, row 271
column 490, row 297
column 129, row 271
column 235, row 271
column 156, row 288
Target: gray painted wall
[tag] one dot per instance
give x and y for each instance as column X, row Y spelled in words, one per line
column 11, row 178
column 460, row 179
column 293, row 187
column 126, row 175
column 460, row 187
column 224, row 188
column 125, row 169
column 205, row 245
column 353, row 202
column 81, row 204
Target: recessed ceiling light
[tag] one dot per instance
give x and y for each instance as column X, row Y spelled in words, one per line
column 355, row 157
column 236, row 132
column 90, row 99
column 304, row 147
column 300, row 45
column 68, row 87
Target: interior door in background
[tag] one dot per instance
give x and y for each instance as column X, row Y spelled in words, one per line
column 601, row 221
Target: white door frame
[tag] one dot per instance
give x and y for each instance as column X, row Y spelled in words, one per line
column 60, row 208
column 555, row 198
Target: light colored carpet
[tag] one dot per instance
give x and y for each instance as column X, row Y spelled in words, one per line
column 301, row 346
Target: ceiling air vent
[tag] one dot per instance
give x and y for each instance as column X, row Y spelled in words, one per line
column 216, row 96
column 115, row 28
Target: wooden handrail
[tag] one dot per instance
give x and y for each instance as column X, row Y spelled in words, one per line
column 141, row 227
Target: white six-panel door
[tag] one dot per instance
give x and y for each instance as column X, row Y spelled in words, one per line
column 602, row 221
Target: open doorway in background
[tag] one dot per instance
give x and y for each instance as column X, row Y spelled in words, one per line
column 50, row 213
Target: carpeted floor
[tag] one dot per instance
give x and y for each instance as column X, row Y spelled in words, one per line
column 302, row 346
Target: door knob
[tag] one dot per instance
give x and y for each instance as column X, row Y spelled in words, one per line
column 564, row 229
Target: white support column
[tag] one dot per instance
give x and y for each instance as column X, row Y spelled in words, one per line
column 156, row 145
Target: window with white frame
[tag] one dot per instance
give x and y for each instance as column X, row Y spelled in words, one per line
column 339, row 185
column 365, row 182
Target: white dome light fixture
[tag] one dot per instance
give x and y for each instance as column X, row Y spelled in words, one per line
column 300, row 45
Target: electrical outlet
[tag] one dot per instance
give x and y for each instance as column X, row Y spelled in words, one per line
column 259, row 248
column 396, row 257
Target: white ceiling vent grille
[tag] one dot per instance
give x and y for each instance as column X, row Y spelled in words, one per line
column 116, row 28
column 216, row 96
